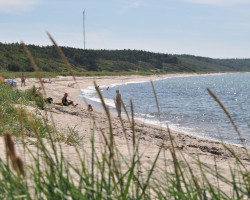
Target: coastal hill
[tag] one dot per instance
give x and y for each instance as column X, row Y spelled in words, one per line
column 14, row 59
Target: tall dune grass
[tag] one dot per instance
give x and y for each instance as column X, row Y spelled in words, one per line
column 108, row 174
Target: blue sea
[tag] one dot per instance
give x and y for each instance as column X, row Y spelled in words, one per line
column 185, row 104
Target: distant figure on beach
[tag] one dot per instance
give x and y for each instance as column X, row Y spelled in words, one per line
column 90, row 108
column 23, row 78
column 118, row 103
column 67, row 102
column 108, row 88
column 38, row 91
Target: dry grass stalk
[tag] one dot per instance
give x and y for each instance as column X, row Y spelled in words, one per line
column 227, row 113
column 159, row 111
column 16, row 162
column 125, row 109
column 62, row 56
column 21, row 122
column 41, row 83
column 235, row 155
column 133, row 124
column 10, row 147
column 175, row 161
column 60, row 52
column 108, row 115
column 19, row 165
column 103, row 102
column 34, row 66
column 156, row 99
column 34, row 127
column 1, row 117
column 123, row 127
column 194, row 179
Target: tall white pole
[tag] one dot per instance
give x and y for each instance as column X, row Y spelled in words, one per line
column 84, row 28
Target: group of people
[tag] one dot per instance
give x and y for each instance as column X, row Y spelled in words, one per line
column 118, row 103
column 66, row 102
column 23, row 78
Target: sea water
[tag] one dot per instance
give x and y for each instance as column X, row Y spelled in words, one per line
column 185, row 105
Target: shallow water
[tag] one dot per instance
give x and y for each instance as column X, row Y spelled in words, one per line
column 186, row 105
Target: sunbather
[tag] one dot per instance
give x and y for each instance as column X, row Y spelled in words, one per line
column 67, row 102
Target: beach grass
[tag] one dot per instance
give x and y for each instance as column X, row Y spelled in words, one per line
column 104, row 174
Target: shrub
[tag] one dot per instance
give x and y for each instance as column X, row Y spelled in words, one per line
column 40, row 102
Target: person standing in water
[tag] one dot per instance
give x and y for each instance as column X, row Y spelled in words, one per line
column 118, row 103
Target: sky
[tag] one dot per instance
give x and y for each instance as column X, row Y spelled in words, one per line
column 209, row 28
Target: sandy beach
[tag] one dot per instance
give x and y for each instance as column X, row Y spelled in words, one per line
column 151, row 137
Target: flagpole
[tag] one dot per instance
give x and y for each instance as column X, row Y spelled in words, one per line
column 84, row 29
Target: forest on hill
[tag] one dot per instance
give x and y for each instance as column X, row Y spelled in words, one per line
column 14, row 59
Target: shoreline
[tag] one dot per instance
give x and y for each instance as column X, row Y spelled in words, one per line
column 67, row 84
column 160, row 124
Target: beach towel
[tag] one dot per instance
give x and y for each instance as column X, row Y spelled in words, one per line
column 60, row 104
column 11, row 82
column 2, row 80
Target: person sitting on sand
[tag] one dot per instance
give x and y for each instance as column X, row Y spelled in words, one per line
column 90, row 108
column 38, row 91
column 118, row 103
column 67, row 102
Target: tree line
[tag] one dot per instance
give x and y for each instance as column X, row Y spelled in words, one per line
column 13, row 58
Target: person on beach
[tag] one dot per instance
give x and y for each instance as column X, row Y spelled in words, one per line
column 67, row 102
column 90, row 108
column 118, row 103
column 38, row 91
column 23, row 78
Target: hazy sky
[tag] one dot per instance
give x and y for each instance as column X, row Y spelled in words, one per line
column 211, row 28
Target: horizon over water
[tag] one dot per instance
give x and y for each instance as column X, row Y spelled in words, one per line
column 185, row 104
